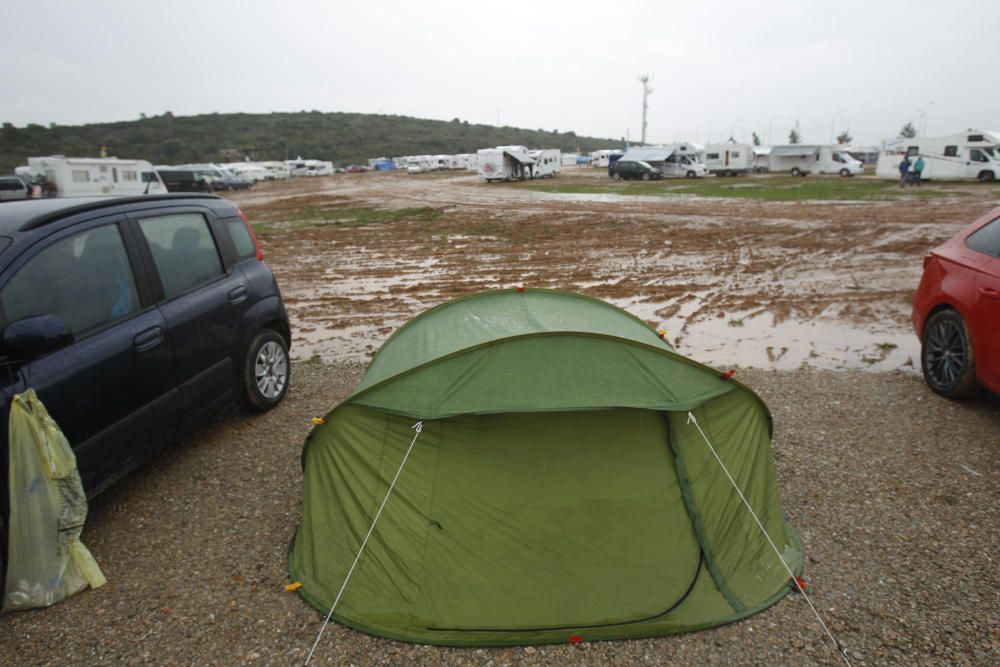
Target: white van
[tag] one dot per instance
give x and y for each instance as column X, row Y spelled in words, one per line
column 801, row 159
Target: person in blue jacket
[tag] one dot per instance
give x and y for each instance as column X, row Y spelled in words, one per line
column 904, row 171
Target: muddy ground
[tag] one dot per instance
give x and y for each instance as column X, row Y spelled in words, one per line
column 770, row 284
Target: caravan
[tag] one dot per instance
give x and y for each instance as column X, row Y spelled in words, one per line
column 505, row 163
column 81, row 177
column 800, row 160
column 729, row 159
column 966, row 155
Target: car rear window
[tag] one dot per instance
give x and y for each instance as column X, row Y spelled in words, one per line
column 986, row 239
column 11, row 184
column 241, row 238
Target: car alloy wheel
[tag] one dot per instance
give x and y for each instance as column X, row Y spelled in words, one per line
column 271, row 370
column 946, row 356
column 267, row 371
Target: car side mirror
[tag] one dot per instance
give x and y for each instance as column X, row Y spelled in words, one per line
column 32, row 337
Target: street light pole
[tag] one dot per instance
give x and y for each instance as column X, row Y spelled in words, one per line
column 834, row 120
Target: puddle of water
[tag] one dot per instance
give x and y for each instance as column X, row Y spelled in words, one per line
column 757, row 341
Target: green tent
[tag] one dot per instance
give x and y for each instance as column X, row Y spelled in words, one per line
column 557, row 488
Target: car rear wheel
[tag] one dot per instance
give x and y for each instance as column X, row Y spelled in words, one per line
column 616, row 176
column 690, row 174
column 267, row 371
column 844, row 173
column 946, row 356
column 645, row 176
column 796, row 171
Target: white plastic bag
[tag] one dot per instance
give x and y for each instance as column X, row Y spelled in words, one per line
column 46, row 560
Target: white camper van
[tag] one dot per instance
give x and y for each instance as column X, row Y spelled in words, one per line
column 88, row 176
column 729, row 159
column 548, row 162
column 678, row 160
column 418, row 164
column 307, row 167
column 800, row 160
column 504, row 163
column 966, row 155
column 279, row 170
column 602, row 158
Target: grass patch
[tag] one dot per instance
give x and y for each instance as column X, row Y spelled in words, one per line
column 789, row 188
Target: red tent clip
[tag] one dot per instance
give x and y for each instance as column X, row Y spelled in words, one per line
column 575, row 639
column 728, row 374
column 800, row 584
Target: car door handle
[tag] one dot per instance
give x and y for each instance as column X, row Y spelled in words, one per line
column 989, row 292
column 238, row 294
column 148, row 339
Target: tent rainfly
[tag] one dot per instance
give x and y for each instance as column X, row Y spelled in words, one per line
column 558, row 488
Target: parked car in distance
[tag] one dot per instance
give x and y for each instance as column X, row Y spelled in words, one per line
column 956, row 311
column 185, row 180
column 628, row 169
column 134, row 318
column 13, row 188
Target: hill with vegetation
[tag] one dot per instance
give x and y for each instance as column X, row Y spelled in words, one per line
column 340, row 137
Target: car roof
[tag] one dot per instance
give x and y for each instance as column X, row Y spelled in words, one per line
column 30, row 213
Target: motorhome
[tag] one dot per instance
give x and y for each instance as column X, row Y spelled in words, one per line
column 548, row 162
column 304, row 167
column 677, row 160
column 279, row 170
column 252, row 172
column 86, row 176
column 505, row 163
column 802, row 159
column 729, row 159
column 418, row 164
column 570, row 159
column 602, row 158
column 460, row 161
column 973, row 154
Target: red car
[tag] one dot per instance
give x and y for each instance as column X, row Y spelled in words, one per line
column 956, row 311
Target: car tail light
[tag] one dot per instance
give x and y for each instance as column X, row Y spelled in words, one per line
column 256, row 243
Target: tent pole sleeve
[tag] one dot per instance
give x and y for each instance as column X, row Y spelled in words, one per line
column 418, row 427
column 795, row 580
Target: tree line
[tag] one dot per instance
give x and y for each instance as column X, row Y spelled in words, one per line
column 342, row 138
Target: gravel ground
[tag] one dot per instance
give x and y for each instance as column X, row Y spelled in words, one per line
column 892, row 488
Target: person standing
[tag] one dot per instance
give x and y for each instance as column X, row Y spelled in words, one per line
column 918, row 168
column 904, row 170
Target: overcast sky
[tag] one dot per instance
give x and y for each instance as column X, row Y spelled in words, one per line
column 717, row 67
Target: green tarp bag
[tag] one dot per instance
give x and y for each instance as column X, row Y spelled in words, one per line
column 47, row 562
column 556, row 491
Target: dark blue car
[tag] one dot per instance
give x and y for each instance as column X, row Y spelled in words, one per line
column 134, row 319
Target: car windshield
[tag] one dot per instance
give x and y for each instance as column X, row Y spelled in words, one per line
column 641, row 163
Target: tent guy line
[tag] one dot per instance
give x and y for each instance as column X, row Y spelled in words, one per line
column 795, row 580
column 418, row 427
